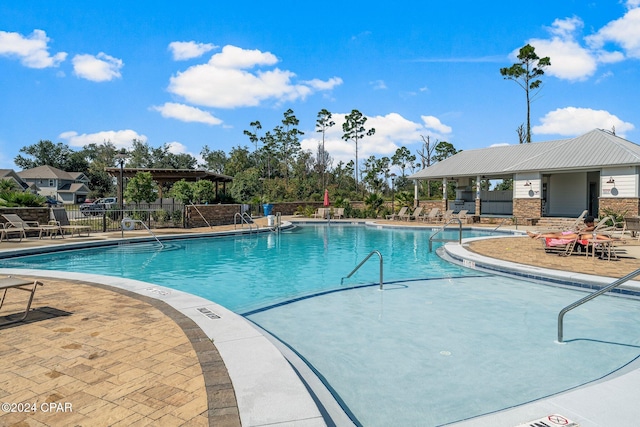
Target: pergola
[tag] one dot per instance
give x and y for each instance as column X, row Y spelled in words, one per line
column 169, row 176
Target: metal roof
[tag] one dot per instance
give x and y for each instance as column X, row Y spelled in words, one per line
column 593, row 150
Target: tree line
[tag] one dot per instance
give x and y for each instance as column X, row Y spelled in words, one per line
column 271, row 167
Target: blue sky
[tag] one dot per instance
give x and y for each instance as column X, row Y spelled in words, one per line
column 196, row 73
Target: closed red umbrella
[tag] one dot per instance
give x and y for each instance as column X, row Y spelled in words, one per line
column 326, row 198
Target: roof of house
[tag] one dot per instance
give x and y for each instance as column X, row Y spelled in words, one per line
column 46, row 172
column 593, row 150
column 76, row 188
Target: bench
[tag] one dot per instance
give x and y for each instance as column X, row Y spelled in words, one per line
column 22, row 285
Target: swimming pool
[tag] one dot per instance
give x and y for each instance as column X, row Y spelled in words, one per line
column 440, row 344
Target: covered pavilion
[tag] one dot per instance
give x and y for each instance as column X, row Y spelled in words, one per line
column 596, row 171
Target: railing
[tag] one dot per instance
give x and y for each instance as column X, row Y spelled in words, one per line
column 431, row 239
column 376, row 252
column 244, row 219
column 108, row 219
column 202, row 216
column 590, row 297
column 515, row 218
column 130, row 224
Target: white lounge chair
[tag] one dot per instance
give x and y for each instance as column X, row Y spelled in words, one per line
column 402, row 213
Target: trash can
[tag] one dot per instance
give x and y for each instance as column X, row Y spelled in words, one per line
column 271, row 220
column 267, row 208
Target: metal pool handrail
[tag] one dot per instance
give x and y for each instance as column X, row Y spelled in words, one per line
column 242, row 219
column 441, row 229
column 133, row 221
column 591, row 296
column 377, row 252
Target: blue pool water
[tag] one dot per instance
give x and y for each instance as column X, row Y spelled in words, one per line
column 440, row 344
column 251, row 271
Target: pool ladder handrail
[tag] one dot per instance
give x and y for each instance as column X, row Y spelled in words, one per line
column 589, row 297
column 243, row 219
column 200, row 213
column 278, row 223
column 513, row 218
column 145, row 226
column 441, row 229
column 376, row 252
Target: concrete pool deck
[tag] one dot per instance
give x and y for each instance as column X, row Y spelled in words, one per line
column 85, row 344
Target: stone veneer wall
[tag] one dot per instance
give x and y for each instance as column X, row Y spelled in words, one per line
column 629, row 205
column 214, row 214
column 430, row 204
column 524, row 209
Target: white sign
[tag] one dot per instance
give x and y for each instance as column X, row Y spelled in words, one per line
column 553, row 420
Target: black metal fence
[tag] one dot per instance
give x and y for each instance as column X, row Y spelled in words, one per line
column 154, row 215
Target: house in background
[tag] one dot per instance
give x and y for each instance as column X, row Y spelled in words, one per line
column 597, row 171
column 67, row 187
column 11, row 175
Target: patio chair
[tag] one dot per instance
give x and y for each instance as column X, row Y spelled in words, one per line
column 416, row 215
column 401, row 214
column 30, row 286
column 60, row 219
column 447, row 215
column 321, row 213
column 632, row 224
column 565, row 247
column 432, row 216
column 338, row 213
column 462, row 215
column 16, row 224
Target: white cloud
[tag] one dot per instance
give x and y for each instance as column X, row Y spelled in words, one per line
column 32, row 50
column 187, row 50
column 378, row 85
column 572, row 121
column 186, row 113
column 176, row 147
column 98, row 68
column 227, row 82
column 569, row 60
column 392, row 132
column 435, row 124
column 119, row 138
column 624, row 32
column 324, row 85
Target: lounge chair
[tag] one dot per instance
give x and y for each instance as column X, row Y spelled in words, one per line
column 432, row 216
column 565, row 247
column 462, row 215
column 321, row 213
column 6, row 229
column 632, row 224
column 16, row 224
column 20, row 284
column 401, row 214
column 338, row 213
column 417, row 214
column 447, row 215
column 60, row 219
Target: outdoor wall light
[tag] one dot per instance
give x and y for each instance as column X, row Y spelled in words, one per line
column 611, row 181
column 527, row 184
